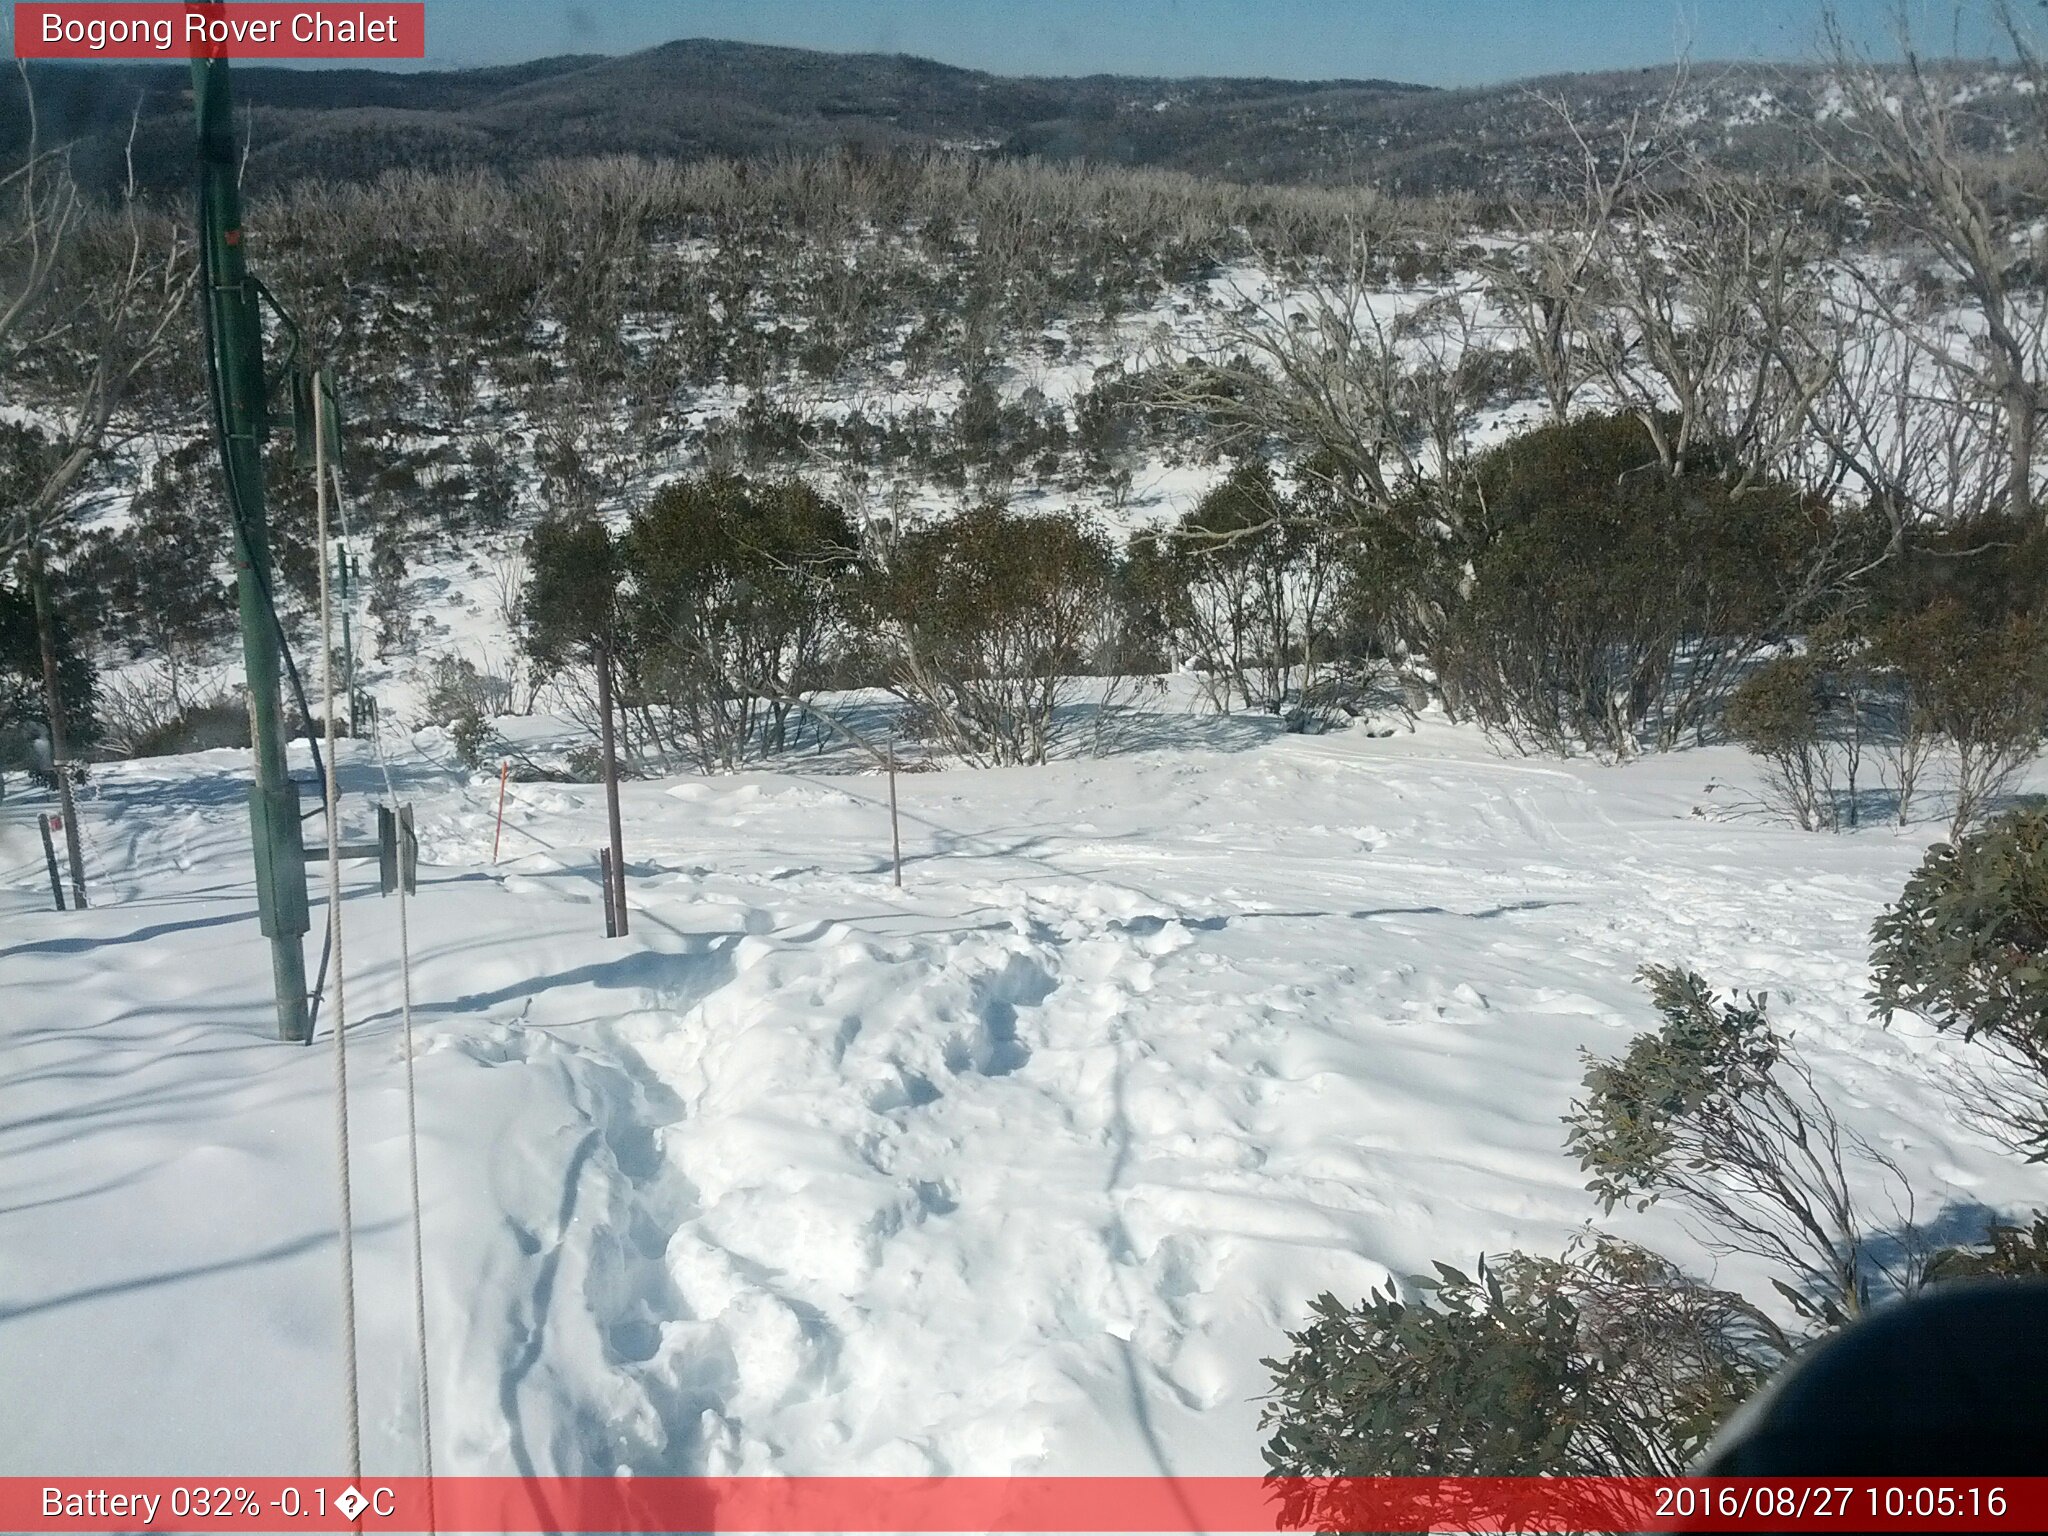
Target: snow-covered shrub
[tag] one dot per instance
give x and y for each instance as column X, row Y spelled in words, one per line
column 468, row 700
column 1355, row 687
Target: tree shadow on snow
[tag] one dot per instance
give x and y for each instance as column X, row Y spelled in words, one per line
column 1957, row 1225
column 12, row 1311
column 671, row 981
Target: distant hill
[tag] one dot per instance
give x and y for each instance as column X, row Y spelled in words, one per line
column 695, row 98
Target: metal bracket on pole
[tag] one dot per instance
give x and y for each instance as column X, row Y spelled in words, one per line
column 409, row 851
column 398, row 850
column 281, row 910
column 611, row 891
column 346, row 851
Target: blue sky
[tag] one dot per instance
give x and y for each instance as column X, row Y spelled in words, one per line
column 1438, row 42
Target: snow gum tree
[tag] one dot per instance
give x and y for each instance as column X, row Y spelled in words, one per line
column 1248, row 585
column 985, row 623
column 1589, row 598
column 1906, row 144
column 738, row 594
column 90, row 301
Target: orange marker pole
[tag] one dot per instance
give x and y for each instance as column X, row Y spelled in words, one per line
column 504, row 770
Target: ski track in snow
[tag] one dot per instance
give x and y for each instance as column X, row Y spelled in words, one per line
column 1023, row 1167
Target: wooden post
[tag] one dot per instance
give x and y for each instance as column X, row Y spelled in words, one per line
column 50, row 855
column 504, row 770
column 611, row 786
column 604, row 878
column 53, row 708
column 895, row 830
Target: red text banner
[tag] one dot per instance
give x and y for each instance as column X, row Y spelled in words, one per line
column 1046, row 1504
column 257, row 30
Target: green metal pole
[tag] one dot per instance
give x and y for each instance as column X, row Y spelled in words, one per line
column 234, row 342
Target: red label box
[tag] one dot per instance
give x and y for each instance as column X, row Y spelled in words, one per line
column 265, row 29
column 773, row 1506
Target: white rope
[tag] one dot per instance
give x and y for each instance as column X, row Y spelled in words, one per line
column 412, row 1128
column 333, row 818
column 412, row 1147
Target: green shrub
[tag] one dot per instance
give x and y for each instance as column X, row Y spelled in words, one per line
column 468, row 701
column 1994, row 567
column 201, row 728
column 1780, row 713
column 1977, row 681
column 2007, row 1252
column 740, row 590
column 1814, row 717
column 1608, row 1361
column 1486, row 1382
column 1249, row 586
column 571, row 605
column 1714, row 1110
column 984, row 622
column 1576, row 594
column 153, row 578
column 1966, row 947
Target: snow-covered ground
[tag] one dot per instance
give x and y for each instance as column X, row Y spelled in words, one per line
column 1022, row 1167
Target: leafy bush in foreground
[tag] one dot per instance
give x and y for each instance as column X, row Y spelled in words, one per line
column 1608, row 1360
column 1716, row 1111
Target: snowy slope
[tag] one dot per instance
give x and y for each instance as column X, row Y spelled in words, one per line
column 1024, row 1166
